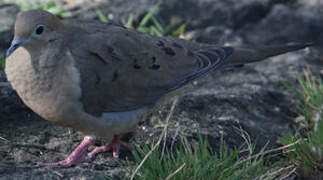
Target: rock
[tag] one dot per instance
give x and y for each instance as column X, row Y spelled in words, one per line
column 251, row 98
column 315, row 6
column 284, row 24
column 118, row 11
column 9, row 11
column 10, row 103
column 219, row 35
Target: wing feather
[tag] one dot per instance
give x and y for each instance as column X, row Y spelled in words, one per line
column 146, row 69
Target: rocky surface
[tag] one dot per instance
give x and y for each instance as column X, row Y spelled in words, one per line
column 251, row 98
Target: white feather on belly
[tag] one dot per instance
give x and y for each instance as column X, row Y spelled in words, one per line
column 124, row 122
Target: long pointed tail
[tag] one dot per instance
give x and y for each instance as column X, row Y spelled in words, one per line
column 248, row 55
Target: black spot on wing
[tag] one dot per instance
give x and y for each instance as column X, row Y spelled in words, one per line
column 169, row 51
column 135, row 64
column 154, row 59
column 115, row 76
column 154, row 67
column 160, row 43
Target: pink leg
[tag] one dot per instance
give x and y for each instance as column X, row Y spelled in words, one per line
column 114, row 145
column 74, row 157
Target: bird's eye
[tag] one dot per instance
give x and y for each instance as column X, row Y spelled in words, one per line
column 39, row 30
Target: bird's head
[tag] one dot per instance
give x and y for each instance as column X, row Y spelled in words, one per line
column 34, row 28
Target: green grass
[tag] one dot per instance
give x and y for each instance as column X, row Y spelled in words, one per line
column 2, row 64
column 310, row 94
column 198, row 162
column 3, row 139
column 150, row 23
column 101, row 16
column 51, row 7
column 307, row 153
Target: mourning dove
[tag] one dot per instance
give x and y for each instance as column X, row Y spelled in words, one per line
column 101, row 79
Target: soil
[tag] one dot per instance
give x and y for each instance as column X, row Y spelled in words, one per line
column 251, row 98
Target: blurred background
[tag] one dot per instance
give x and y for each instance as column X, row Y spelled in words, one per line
column 252, row 98
column 240, row 22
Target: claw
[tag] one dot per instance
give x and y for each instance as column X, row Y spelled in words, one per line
column 75, row 157
column 114, row 145
column 87, row 144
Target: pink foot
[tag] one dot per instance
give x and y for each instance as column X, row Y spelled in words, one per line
column 114, row 145
column 75, row 157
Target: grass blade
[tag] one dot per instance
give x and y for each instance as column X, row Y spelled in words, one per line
column 101, row 16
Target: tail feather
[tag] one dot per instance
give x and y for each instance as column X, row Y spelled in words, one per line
column 248, row 55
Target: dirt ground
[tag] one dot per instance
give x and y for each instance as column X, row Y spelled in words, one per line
column 251, row 98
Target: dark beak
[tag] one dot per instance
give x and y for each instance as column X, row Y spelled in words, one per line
column 14, row 45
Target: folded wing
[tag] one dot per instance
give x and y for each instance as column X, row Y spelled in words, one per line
column 130, row 70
